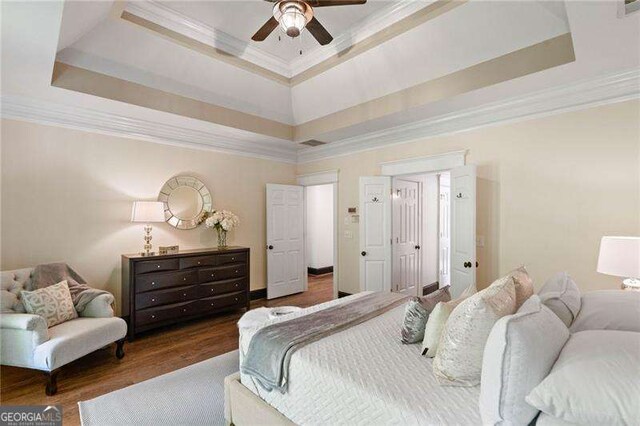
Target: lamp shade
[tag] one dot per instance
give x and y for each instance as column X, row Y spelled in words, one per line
column 620, row 256
column 147, row 211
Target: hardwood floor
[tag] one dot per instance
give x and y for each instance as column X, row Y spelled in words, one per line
column 150, row 355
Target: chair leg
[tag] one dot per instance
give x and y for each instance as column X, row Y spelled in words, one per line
column 52, row 382
column 120, row 349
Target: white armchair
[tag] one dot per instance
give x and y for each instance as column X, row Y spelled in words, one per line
column 25, row 340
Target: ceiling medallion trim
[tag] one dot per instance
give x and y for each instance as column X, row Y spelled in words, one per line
column 173, row 20
column 589, row 93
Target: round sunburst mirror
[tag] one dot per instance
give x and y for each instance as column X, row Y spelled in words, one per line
column 185, row 199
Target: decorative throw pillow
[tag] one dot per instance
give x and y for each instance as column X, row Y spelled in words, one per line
column 520, row 352
column 437, row 319
column 458, row 361
column 417, row 312
column 595, row 381
column 608, row 310
column 53, row 303
column 523, row 283
column 560, row 294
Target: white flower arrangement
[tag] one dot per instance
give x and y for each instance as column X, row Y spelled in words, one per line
column 222, row 220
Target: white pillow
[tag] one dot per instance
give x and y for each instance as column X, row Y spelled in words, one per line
column 609, row 310
column 437, row 319
column 458, row 361
column 595, row 381
column 520, row 351
column 560, row 294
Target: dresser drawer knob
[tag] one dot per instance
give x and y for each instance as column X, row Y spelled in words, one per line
column 233, row 258
column 211, row 290
column 212, row 275
column 153, row 316
column 184, row 294
column 236, row 284
column 198, row 263
column 184, row 310
column 236, row 299
column 236, row 271
column 153, row 283
column 212, row 304
column 184, row 279
column 157, row 266
column 153, row 300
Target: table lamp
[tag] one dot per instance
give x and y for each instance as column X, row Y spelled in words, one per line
column 620, row 256
column 147, row 212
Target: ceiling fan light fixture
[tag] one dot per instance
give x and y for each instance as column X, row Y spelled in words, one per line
column 292, row 16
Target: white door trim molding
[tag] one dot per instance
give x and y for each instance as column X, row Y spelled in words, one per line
column 318, row 178
column 429, row 164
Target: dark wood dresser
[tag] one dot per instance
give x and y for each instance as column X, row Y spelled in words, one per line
column 167, row 289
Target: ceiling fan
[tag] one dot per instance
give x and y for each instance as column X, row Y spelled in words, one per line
column 293, row 16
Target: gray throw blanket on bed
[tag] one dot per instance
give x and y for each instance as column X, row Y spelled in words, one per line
column 53, row 273
column 271, row 348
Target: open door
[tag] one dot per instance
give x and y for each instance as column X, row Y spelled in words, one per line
column 375, row 233
column 463, row 228
column 285, row 240
column 406, row 228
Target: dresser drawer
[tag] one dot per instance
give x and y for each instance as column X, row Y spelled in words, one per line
column 224, row 259
column 157, row 281
column 221, row 287
column 213, row 303
column 197, row 261
column 156, row 266
column 222, row 273
column 165, row 297
column 169, row 312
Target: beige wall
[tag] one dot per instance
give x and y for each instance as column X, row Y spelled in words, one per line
column 548, row 189
column 66, row 195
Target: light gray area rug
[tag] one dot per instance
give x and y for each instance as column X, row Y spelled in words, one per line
column 193, row 395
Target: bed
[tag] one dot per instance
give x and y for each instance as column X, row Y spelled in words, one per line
column 361, row 375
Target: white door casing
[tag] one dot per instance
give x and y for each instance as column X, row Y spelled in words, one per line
column 375, row 233
column 463, row 228
column 285, row 240
column 406, row 236
column 444, row 244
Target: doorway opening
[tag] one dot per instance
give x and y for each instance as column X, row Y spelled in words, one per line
column 420, row 232
column 319, row 238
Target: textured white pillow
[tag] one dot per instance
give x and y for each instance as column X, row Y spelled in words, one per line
column 458, row 361
column 437, row 319
column 53, row 303
column 520, row 351
column 609, row 310
column 560, row 294
column 595, row 381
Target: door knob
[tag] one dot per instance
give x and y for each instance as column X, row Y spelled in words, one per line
column 417, row 247
column 364, row 253
column 270, row 247
column 459, row 195
column 467, row 264
column 477, row 264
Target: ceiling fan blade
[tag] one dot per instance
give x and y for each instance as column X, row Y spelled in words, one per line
column 319, row 32
column 326, row 3
column 265, row 30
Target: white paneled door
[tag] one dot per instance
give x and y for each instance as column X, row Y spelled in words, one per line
column 463, row 228
column 375, row 233
column 406, row 236
column 285, row 240
column 444, row 256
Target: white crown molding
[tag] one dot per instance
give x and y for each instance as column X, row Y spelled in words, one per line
column 598, row 91
column 169, row 18
column 358, row 32
column 175, row 21
column 44, row 112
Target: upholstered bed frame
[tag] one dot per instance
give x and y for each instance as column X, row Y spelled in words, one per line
column 243, row 407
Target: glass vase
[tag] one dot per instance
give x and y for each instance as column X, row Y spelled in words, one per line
column 222, row 239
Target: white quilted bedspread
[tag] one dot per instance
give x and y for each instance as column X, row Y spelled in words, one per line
column 365, row 375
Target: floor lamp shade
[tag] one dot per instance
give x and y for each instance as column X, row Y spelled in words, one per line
column 147, row 211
